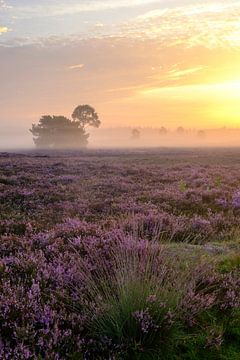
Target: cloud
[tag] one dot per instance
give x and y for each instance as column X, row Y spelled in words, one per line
column 3, row 4
column 60, row 8
column 3, row 29
column 74, row 67
column 207, row 24
column 176, row 73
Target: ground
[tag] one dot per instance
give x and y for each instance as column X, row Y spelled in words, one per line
column 75, row 223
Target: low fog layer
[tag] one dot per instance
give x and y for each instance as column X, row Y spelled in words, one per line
column 154, row 137
column 14, row 138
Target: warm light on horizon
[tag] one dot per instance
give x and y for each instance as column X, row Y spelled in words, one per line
column 151, row 64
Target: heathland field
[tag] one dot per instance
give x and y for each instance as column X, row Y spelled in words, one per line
column 120, row 255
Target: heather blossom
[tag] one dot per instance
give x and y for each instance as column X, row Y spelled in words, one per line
column 99, row 256
column 236, row 200
column 145, row 321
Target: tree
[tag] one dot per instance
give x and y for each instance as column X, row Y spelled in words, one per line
column 201, row 134
column 136, row 134
column 86, row 115
column 180, row 130
column 60, row 132
column 163, row 130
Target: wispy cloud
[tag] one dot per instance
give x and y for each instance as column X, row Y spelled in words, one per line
column 206, row 24
column 179, row 74
column 210, row 24
column 3, row 29
column 75, row 67
column 73, row 7
column 3, row 5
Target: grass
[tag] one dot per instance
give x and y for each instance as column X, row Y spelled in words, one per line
column 142, row 302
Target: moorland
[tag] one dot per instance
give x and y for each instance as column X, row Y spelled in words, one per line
column 120, row 254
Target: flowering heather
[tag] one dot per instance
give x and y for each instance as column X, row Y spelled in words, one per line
column 236, row 200
column 145, row 321
column 88, row 265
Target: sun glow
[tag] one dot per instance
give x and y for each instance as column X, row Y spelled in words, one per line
column 227, row 108
column 214, row 104
column 226, row 89
column 231, row 85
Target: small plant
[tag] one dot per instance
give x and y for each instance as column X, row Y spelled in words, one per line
column 139, row 300
column 218, row 181
column 183, row 186
column 229, row 263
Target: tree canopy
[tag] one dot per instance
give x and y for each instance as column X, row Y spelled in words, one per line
column 86, row 115
column 61, row 132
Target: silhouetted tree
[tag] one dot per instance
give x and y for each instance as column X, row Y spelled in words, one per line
column 163, row 130
column 136, row 134
column 180, row 130
column 86, row 116
column 61, row 132
column 201, row 134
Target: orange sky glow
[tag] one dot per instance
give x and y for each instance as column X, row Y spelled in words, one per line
column 150, row 63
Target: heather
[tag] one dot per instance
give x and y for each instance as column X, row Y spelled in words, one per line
column 120, row 255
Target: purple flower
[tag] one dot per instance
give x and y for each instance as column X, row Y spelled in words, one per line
column 145, row 321
column 236, row 200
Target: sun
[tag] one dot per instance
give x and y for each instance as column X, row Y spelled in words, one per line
column 231, row 85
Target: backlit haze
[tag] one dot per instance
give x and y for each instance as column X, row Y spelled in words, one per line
column 140, row 63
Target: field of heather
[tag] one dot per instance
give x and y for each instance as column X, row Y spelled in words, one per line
column 114, row 255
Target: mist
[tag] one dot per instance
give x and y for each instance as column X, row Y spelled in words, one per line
column 154, row 137
column 12, row 137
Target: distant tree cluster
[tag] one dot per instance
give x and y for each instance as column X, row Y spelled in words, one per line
column 201, row 134
column 136, row 134
column 163, row 130
column 180, row 130
column 60, row 132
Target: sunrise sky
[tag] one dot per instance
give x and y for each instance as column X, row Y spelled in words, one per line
column 138, row 62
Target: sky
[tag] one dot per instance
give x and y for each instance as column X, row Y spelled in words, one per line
column 138, row 62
